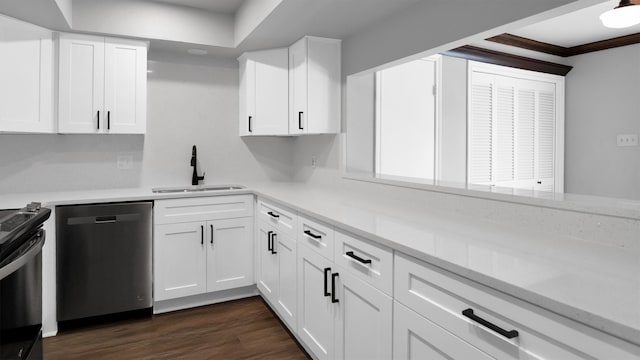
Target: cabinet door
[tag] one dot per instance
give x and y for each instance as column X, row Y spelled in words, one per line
column 247, row 98
column 229, row 253
column 125, row 86
column 415, row 337
column 267, row 262
column 271, row 93
column 364, row 322
column 179, row 255
column 26, row 70
column 287, row 279
column 316, row 312
column 81, row 84
column 298, row 87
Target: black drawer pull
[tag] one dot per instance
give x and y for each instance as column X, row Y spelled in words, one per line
column 269, row 246
column 326, row 288
column 98, row 119
column 333, row 287
column 273, row 243
column 357, row 258
column 508, row 334
column 273, row 215
column 308, row 232
column 108, row 120
column 211, row 234
column 201, row 234
column 250, row 118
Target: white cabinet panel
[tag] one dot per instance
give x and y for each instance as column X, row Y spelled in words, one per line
column 81, row 84
column 316, row 312
column 102, row 85
column 416, row 338
column 267, row 262
column 179, row 260
column 314, row 86
column 229, row 253
column 363, row 326
column 264, row 92
column 26, row 70
column 125, row 86
column 287, row 297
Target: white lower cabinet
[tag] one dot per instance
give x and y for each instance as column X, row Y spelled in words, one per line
column 229, row 253
column 267, row 263
column 203, row 256
column 180, row 260
column 363, row 326
column 340, row 316
column 316, row 309
column 277, row 278
column 416, row 338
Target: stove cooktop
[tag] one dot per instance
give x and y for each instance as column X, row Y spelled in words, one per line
column 17, row 225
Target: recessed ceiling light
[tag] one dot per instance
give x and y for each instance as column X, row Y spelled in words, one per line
column 197, row 51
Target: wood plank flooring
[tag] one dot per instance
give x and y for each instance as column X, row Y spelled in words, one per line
column 240, row 329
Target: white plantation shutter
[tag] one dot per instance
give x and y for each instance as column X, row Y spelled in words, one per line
column 526, row 125
column 512, row 133
column 504, row 140
column 545, row 140
column 481, row 132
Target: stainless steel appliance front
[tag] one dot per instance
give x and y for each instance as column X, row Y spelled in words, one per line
column 103, row 259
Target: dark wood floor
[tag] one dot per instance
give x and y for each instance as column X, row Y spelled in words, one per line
column 241, row 329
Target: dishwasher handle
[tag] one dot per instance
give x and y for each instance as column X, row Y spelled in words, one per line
column 105, row 219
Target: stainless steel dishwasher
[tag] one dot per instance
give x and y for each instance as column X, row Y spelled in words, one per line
column 103, row 259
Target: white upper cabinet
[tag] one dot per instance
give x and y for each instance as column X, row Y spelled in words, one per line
column 102, row 85
column 314, row 86
column 264, row 92
column 292, row 91
column 26, row 73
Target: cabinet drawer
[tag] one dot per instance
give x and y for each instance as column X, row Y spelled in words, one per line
column 173, row 211
column 370, row 262
column 442, row 297
column 316, row 235
column 282, row 219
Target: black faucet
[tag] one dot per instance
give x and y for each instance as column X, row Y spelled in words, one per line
column 194, row 161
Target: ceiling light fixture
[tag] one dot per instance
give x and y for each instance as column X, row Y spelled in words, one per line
column 624, row 15
column 197, row 51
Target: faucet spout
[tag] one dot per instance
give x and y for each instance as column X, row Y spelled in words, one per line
column 195, row 179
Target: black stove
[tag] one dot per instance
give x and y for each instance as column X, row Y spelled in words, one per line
column 21, row 241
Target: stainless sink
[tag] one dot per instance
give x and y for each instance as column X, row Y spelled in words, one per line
column 195, row 188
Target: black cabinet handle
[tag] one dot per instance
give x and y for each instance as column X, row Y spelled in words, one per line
column 508, row 334
column 300, row 120
column 269, row 246
column 357, row 258
column 333, row 287
column 201, row 234
column 326, row 288
column 108, row 120
column 308, row 232
column 273, row 215
column 98, row 119
column 273, row 243
column 211, row 234
column 250, row 118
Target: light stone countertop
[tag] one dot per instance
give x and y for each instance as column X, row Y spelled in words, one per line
column 593, row 283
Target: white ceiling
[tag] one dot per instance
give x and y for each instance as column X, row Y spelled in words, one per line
column 577, row 28
column 219, row 6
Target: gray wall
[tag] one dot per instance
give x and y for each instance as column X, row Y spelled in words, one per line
column 424, row 26
column 602, row 101
column 188, row 104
